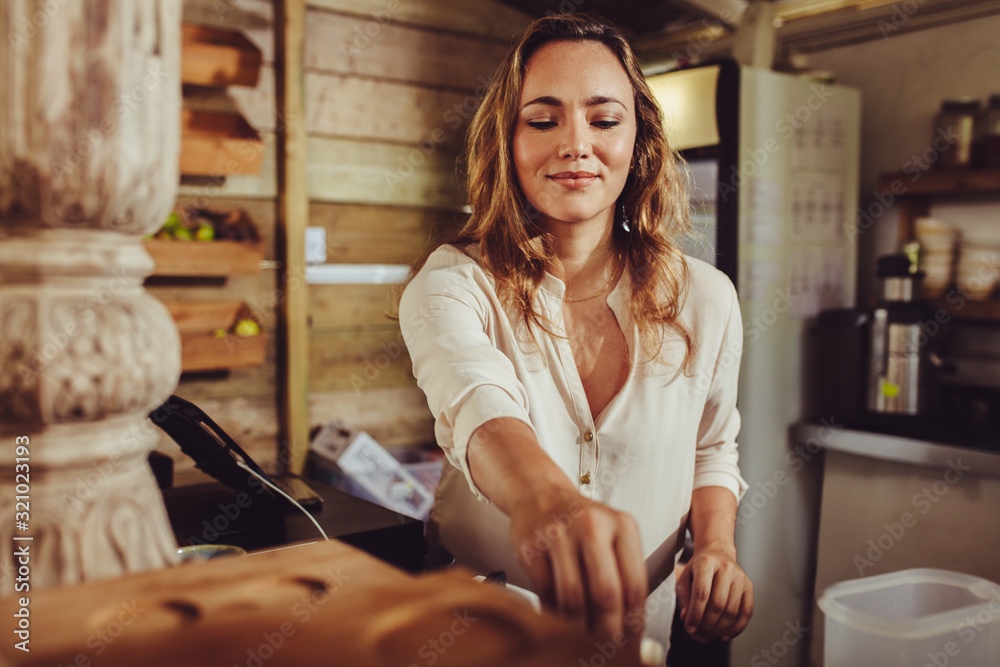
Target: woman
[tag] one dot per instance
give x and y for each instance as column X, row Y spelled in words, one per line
column 581, row 370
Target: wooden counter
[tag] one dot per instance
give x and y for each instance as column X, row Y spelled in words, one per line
column 320, row 604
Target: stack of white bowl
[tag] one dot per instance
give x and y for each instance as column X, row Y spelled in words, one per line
column 937, row 240
column 978, row 270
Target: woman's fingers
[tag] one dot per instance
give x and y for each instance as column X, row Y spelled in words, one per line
column 721, row 609
column 589, row 566
column 635, row 582
column 605, row 597
column 683, row 587
column 564, row 557
column 716, row 598
column 743, row 618
column 536, row 564
column 699, row 594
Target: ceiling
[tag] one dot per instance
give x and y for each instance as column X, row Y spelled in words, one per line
column 634, row 17
column 665, row 31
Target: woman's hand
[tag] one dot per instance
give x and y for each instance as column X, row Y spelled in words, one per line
column 715, row 594
column 585, row 561
column 584, row 558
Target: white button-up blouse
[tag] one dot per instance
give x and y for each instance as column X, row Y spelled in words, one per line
column 665, row 434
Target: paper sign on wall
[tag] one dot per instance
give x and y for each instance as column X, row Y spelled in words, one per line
column 816, row 280
column 817, row 208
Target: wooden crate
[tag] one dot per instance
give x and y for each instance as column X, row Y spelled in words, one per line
column 201, row 349
column 207, row 352
column 219, row 144
column 204, row 258
column 202, row 317
column 218, row 57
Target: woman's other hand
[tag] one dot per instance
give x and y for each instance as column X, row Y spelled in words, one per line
column 715, row 594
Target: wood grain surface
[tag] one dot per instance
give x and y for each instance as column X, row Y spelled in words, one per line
column 488, row 19
column 321, row 604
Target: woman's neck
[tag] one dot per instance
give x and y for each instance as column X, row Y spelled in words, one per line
column 584, row 256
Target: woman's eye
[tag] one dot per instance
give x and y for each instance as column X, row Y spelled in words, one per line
column 605, row 124
column 541, row 124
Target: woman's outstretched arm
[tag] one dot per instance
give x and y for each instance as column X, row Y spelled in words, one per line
column 584, row 558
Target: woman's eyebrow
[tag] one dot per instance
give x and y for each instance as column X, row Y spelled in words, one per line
column 597, row 100
column 545, row 100
column 594, row 101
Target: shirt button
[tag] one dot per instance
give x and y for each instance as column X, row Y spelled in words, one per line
column 585, row 478
column 588, row 436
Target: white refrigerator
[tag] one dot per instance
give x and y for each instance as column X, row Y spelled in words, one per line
column 774, row 166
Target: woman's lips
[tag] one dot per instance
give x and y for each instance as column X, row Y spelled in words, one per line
column 574, row 180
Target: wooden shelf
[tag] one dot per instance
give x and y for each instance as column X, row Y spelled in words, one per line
column 204, row 258
column 967, row 309
column 943, row 182
column 218, row 57
column 218, row 144
column 913, row 195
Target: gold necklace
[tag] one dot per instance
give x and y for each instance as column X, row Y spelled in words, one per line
column 603, row 289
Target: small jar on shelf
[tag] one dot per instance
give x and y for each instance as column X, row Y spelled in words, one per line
column 978, row 271
column 937, row 240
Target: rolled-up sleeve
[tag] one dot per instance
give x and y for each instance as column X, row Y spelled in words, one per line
column 444, row 315
column 717, row 459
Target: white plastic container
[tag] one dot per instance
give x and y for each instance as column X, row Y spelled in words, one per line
column 918, row 618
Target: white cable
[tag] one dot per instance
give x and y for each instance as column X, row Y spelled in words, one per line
column 290, row 499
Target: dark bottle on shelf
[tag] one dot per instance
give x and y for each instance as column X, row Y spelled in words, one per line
column 986, row 149
column 956, row 121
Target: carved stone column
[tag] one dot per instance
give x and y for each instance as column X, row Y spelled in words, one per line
column 89, row 146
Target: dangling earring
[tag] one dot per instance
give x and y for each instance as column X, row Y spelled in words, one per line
column 625, row 220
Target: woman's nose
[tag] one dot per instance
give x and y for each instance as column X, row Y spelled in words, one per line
column 575, row 144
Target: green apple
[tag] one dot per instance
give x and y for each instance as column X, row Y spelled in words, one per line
column 247, row 328
column 205, row 232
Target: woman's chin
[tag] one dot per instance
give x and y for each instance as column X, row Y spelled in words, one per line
column 567, row 219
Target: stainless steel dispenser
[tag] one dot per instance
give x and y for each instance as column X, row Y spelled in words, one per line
column 897, row 362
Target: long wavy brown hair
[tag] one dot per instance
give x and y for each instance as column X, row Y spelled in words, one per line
column 511, row 245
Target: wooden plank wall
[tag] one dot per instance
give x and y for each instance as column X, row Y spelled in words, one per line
column 390, row 88
column 242, row 401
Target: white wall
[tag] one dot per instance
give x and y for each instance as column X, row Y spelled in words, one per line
column 903, row 79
